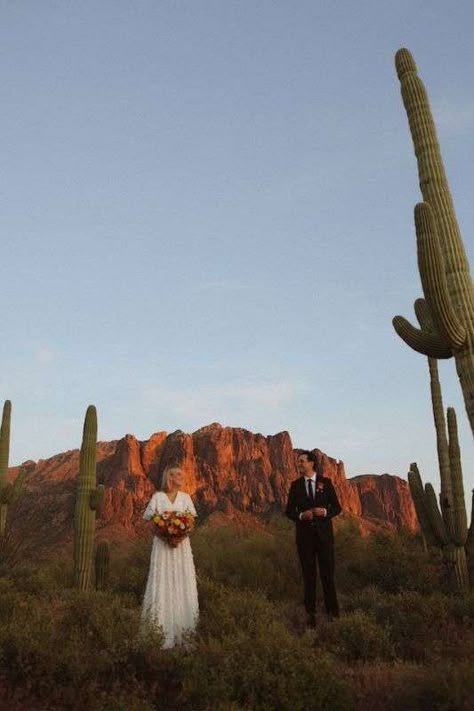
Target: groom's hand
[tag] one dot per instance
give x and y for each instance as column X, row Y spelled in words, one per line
column 318, row 511
column 307, row 515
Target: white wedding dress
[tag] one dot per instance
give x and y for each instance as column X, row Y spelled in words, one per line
column 170, row 599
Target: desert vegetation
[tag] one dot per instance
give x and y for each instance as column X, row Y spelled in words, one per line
column 403, row 640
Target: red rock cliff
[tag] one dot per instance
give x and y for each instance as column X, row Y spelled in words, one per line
column 388, row 498
column 225, row 468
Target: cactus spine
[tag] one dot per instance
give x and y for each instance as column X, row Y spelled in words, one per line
column 88, row 499
column 442, row 263
column 8, row 492
column 102, row 565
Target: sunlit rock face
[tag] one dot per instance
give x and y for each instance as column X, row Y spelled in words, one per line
column 227, row 470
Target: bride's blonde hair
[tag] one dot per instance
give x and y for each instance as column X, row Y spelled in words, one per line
column 164, row 477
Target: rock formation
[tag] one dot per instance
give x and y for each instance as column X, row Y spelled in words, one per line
column 226, row 469
column 386, row 497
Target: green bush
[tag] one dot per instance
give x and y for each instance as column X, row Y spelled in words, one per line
column 416, row 623
column 60, row 648
column 263, row 560
column 356, row 637
column 462, row 607
column 245, row 656
column 443, row 687
column 393, row 562
column 134, row 558
column 69, row 651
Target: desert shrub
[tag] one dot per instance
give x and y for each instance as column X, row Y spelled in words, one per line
column 246, row 657
column 356, row 637
column 252, row 649
column 13, row 549
column 367, row 599
column 129, row 567
column 414, row 621
column 263, row 560
column 83, row 650
column 46, row 578
column 442, row 687
column 393, row 562
column 462, row 607
column 74, row 650
column 8, row 596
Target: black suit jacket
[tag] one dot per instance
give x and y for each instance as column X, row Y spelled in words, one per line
column 298, row 501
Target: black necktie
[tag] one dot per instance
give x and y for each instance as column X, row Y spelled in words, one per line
column 310, row 490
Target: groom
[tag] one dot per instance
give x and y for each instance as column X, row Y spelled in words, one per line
column 312, row 502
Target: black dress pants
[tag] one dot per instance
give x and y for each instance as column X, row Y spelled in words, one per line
column 313, row 554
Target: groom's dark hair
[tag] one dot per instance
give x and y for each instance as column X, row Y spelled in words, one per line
column 311, row 457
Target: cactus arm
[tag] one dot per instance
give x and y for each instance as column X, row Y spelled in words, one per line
column 429, row 344
column 459, row 505
column 423, row 315
column 418, row 496
column 433, row 277
column 96, row 497
column 437, row 523
column 446, row 493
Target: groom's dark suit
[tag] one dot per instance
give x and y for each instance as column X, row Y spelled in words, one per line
column 314, row 539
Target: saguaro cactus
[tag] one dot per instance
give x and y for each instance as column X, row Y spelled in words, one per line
column 8, row 492
column 4, row 455
column 446, row 529
column 442, row 262
column 102, row 565
column 88, row 498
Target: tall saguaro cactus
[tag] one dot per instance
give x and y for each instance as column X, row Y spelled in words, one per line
column 442, row 262
column 9, row 492
column 88, row 499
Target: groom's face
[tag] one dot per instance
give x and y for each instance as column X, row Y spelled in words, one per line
column 304, row 465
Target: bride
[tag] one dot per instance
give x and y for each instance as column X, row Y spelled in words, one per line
column 170, row 601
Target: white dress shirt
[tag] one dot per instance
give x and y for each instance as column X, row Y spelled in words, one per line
column 313, row 480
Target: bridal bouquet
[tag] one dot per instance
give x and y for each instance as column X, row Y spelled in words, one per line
column 173, row 526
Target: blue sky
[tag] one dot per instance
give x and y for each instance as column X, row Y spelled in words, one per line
column 208, row 216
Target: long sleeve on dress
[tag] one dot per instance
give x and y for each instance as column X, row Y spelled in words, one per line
column 151, row 508
column 190, row 505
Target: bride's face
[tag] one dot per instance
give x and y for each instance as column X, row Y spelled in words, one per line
column 175, row 478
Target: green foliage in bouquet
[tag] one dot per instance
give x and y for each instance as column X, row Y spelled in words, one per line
column 9, row 492
column 102, row 565
column 442, row 262
column 88, row 499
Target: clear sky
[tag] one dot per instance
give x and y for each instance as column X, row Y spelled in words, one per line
column 207, row 215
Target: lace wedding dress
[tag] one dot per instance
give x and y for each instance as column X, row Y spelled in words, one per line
column 170, row 599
